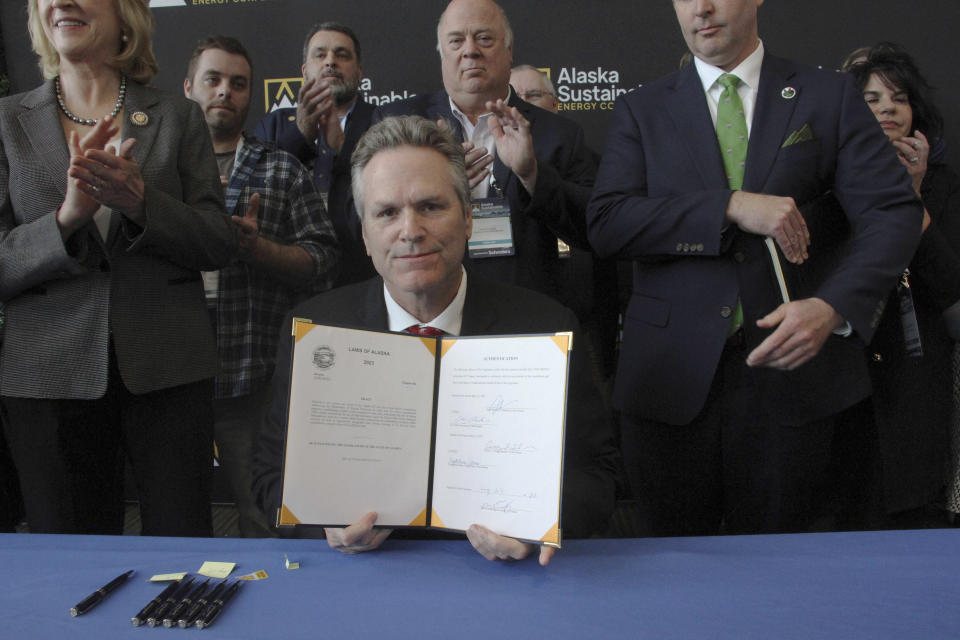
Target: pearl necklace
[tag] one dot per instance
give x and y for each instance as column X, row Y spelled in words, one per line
column 90, row 121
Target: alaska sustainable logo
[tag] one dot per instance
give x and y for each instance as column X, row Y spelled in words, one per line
column 281, row 93
column 587, row 89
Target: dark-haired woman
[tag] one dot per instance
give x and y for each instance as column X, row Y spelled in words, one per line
column 912, row 386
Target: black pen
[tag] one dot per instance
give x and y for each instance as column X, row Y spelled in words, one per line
column 141, row 617
column 171, row 618
column 217, row 606
column 197, row 607
column 170, row 602
column 94, row 598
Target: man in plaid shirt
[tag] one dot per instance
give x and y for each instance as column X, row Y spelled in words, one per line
column 287, row 252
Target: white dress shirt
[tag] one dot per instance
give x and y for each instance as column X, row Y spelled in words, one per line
column 449, row 321
column 749, row 73
column 481, row 136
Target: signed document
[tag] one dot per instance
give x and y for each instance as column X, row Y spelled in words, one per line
column 359, row 427
column 428, row 432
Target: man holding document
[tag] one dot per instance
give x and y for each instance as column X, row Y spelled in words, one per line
column 413, row 199
column 727, row 392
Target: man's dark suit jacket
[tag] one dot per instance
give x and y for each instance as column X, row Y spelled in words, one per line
column 565, row 176
column 490, row 308
column 280, row 127
column 661, row 198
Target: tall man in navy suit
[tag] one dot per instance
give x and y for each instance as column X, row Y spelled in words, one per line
column 727, row 393
column 323, row 129
column 534, row 161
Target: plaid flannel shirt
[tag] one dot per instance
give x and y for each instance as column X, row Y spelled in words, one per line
column 251, row 304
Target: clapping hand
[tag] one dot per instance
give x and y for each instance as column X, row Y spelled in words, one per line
column 248, row 229
column 478, row 162
column 79, row 205
column 511, row 133
column 316, row 115
column 107, row 175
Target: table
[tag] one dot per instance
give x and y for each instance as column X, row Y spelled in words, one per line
column 903, row 584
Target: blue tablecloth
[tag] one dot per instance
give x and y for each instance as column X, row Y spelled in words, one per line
column 860, row 585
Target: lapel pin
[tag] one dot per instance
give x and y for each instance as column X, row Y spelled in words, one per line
column 788, row 93
column 139, row 118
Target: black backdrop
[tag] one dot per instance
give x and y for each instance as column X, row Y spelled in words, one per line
column 592, row 49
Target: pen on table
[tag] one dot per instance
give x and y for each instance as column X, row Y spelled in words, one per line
column 170, row 602
column 198, row 606
column 94, row 598
column 171, row 618
column 141, row 617
column 215, row 607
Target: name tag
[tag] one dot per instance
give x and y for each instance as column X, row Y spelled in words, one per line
column 211, row 285
column 908, row 318
column 492, row 232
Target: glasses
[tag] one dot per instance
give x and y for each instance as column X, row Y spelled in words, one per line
column 536, row 95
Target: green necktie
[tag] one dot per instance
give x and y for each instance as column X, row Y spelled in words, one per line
column 732, row 130
column 732, row 136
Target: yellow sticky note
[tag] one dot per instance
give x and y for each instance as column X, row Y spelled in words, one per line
column 288, row 564
column 256, row 575
column 168, row 577
column 216, row 569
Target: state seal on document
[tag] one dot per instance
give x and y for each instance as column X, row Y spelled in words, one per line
column 324, row 357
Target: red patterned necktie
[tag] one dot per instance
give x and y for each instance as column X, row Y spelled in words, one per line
column 422, row 330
